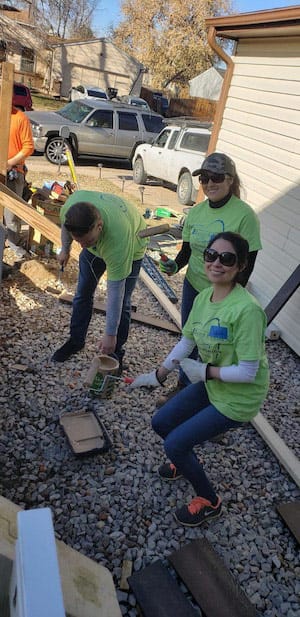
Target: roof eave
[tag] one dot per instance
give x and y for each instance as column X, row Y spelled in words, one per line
column 274, row 22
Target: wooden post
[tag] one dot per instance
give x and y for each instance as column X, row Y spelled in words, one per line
column 5, row 116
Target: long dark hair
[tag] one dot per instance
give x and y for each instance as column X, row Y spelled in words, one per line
column 235, row 188
column 240, row 245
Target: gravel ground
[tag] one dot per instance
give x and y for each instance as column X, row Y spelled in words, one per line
column 114, row 507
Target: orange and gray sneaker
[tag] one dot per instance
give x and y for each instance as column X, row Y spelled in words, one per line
column 198, row 511
column 168, row 471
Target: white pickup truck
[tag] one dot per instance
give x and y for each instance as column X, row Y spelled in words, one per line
column 176, row 152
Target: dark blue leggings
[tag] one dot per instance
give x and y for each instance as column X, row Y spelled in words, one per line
column 186, row 420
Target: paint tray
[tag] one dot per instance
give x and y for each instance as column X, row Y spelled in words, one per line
column 85, row 433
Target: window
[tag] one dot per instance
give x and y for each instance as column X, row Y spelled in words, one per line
column 153, row 124
column 173, row 140
column 197, row 142
column 102, row 119
column 20, row 90
column 27, row 60
column 162, row 138
column 127, row 121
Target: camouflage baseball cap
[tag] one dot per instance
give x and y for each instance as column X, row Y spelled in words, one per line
column 217, row 163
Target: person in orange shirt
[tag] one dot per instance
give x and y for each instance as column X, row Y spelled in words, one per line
column 19, row 148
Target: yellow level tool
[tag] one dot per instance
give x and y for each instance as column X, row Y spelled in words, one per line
column 71, row 164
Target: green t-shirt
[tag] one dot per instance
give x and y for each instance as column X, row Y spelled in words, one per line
column 204, row 222
column 226, row 333
column 118, row 244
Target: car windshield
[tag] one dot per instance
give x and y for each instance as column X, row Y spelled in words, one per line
column 76, row 111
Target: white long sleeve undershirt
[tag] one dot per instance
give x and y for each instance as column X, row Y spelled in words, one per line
column 243, row 372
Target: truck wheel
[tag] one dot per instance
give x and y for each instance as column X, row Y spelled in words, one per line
column 53, row 151
column 139, row 174
column 185, row 189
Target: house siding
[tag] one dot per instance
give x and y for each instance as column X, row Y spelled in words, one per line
column 261, row 131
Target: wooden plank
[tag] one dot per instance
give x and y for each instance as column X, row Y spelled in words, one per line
column 29, row 214
column 286, row 457
column 5, row 117
column 161, row 324
column 158, row 594
column 209, row 581
column 283, row 295
column 161, row 297
column 290, row 512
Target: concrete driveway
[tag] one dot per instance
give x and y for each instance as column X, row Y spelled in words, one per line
column 119, row 173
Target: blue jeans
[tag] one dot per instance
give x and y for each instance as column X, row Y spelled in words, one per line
column 91, row 268
column 186, row 420
column 188, row 296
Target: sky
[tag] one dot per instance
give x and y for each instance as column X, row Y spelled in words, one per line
column 108, row 12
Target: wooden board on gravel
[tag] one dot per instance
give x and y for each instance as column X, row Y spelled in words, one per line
column 290, row 513
column 161, row 324
column 158, row 594
column 210, row 583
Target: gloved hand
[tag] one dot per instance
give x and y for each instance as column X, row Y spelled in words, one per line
column 194, row 370
column 146, row 379
column 168, row 266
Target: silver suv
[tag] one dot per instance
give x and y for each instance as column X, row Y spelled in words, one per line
column 97, row 128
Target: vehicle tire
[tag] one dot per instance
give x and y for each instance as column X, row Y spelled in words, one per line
column 53, row 151
column 185, row 189
column 139, row 174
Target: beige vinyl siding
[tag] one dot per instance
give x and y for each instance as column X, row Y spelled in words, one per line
column 261, row 131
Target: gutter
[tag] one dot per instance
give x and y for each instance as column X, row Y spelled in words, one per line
column 225, row 88
column 211, row 37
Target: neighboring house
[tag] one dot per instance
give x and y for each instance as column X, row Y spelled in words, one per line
column 26, row 46
column 208, row 84
column 49, row 64
column 257, row 123
column 97, row 62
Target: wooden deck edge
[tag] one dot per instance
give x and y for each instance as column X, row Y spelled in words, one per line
column 282, row 452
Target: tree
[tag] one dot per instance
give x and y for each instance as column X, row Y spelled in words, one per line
column 63, row 18
column 168, row 36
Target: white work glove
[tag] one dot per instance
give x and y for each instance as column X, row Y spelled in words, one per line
column 194, row 370
column 149, row 380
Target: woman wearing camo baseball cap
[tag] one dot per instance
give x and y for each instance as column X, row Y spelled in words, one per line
column 222, row 210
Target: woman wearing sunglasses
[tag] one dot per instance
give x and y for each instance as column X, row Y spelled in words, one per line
column 227, row 388
column 223, row 210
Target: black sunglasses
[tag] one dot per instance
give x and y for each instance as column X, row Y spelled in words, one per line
column 226, row 258
column 216, row 178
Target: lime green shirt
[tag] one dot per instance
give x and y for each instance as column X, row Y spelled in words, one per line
column 227, row 333
column 118, row 243
column 204, row 222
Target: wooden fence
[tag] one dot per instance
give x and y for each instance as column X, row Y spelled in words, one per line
column 202, row 109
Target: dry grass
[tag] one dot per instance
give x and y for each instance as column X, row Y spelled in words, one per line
column 41, row 102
